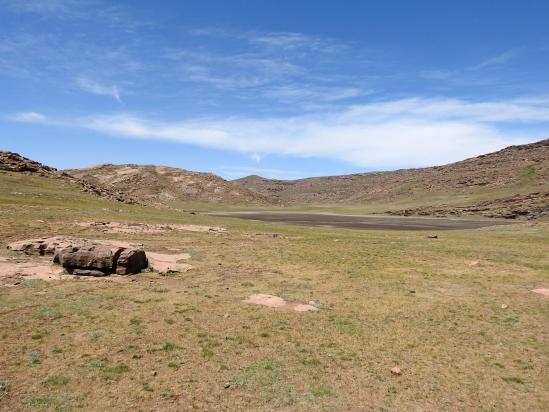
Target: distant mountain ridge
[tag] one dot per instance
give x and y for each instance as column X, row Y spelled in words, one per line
column 515, row 169
column 510, row 183
column 162, row 184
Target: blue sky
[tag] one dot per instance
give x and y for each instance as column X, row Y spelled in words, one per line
column 282, row 89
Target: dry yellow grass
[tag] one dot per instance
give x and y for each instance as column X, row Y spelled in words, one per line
column 187, row 341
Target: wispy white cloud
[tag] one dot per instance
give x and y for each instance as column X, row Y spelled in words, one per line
column 474, row 74
column 94, row 87
column 300, row 91
column 256, row 157
column 497, row 60
column 29, row 117
column 407, row 132
column 42, row 6
column 292, row 41
column 105, row 12
column 231, row 71
column 275, row 40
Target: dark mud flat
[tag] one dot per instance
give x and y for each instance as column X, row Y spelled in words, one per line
column 363, row 221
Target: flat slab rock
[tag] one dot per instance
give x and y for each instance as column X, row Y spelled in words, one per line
column 544, row 292
column 272, row 301
column 119, row 227
column 167, row 263
column 36, row 268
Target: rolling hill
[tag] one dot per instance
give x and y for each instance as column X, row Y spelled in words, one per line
column 510, row 183
column 164, row 185
column 494, row 184
column 13, row 164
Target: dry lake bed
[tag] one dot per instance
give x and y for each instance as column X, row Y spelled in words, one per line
column 363, row 221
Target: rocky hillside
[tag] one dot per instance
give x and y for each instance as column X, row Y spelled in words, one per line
column 516, row 170
column 15, row 163
column 160, row 184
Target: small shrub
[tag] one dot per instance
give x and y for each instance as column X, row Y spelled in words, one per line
column 5, row 389
column 168, row 346
column 159, row 289
column 44, row 313
column 55, row 380
column 114, row 373
column 514, row 379
column 321, row 391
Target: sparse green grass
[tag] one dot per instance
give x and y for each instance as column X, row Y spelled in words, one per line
column 173, row 343
column 55, row 380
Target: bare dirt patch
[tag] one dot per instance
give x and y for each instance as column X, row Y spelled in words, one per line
column 272, row 301
column 544, row 292
column 118, row 227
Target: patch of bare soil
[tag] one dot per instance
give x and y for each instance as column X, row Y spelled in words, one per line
column 279, row 303
column 118, row 227
column 544, row 292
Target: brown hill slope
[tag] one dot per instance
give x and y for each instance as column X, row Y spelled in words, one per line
column 160, row 184
column 15, row 163
column 516, row 170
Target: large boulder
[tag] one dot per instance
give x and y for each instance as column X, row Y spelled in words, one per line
column 94, row 258
column 131, row 261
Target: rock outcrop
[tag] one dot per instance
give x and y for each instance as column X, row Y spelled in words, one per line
column 85, row 257
column 15, row 163
column 530, row 206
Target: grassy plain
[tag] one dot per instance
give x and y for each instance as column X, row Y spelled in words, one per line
column 433, row 307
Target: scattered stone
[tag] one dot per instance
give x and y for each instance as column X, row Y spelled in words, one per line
column 544, row 292
column 277, row 302
column 302, row 307
column 474, row 263
column 396, row 370
column 432, row 237
column 504, row 306
column 154, row 373
column 266, row 300
column 412, row 291
column 227, row 385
